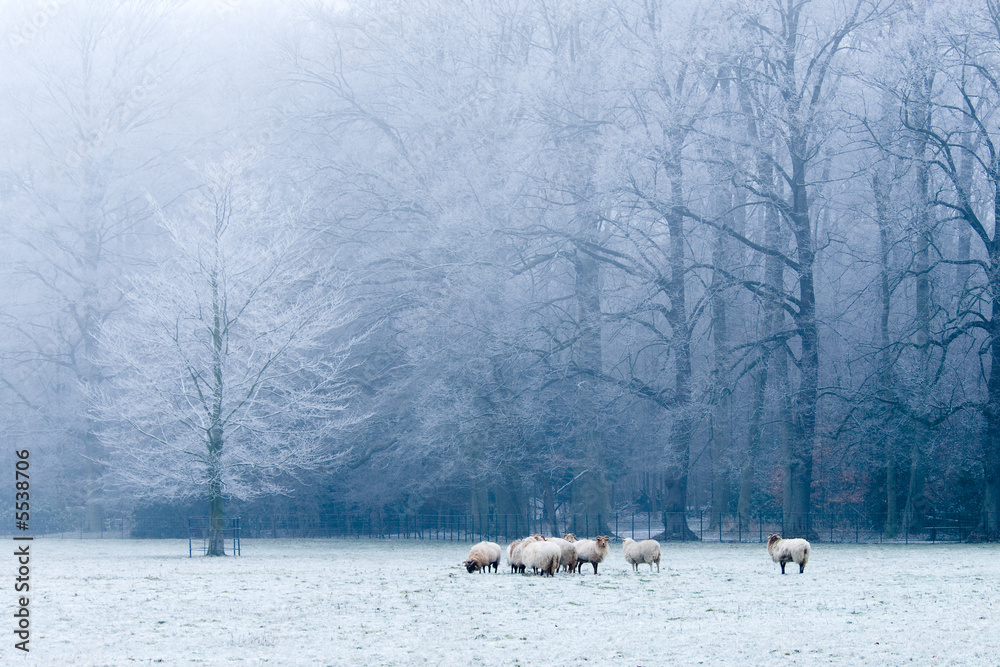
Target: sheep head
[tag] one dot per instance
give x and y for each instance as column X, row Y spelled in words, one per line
column 602, row 541
column 569, row 537
column 772, row 538
column 471, row 565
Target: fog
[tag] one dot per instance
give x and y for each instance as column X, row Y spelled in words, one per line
column 504, row 258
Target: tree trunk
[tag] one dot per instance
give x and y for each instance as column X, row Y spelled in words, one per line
column 920, row 440
column 991, row 439
column 679, row 452
column 591, row 505
column 799, row 458
column 548, row 506
column 94, row 452
column 755, row 434
column 480, row 502
column 510, row 506
column 590, row 491
column 880, row 188
column 216, row 521
column 732, row 206
column 216, row 514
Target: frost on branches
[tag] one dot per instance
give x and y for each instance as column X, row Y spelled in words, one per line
column 226, row 367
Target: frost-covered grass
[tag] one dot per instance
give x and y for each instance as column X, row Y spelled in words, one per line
column 345, row 602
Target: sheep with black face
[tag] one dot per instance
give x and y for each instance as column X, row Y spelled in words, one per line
column 482, row 556
column 787, row 551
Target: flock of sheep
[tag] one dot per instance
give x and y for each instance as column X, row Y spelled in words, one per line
column 548, row 555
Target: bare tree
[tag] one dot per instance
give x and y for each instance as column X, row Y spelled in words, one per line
column 959, row 135
column 788, row 73
column 92, row 92
column 226, row 368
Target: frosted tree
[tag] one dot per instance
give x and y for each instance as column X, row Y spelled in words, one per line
column 86, row 112
column 787, row 78
column 668, row 89
column 962, row 148
column 226, row 369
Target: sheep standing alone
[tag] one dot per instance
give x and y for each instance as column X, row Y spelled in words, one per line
column 786, row 551
column 514, row 557
column 647, row 551
column 482, row 556
column 591, row 551
column 540, row 554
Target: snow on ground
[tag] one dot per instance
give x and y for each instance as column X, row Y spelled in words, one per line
column 346, row 602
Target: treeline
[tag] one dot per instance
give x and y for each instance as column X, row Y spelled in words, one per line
column 506, row 257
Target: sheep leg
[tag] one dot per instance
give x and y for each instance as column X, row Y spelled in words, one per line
column 782, row 567
column 595, row 567
column 802, row 567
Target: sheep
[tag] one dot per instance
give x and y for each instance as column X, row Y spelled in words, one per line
column 568, row 558
column 514, row 557
column 785, row 551
column 482, row 556
column 591, row 551
column 647, row 551
column 540, row 554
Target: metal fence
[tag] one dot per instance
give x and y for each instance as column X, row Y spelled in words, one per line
column 200, row 532
column 845, row 526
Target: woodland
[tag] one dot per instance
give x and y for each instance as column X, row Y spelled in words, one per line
column 553, row 257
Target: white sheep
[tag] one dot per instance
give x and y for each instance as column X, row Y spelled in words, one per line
column 482, row 556
column 514, row 557
column 786, row 551
column 647, row 551
column 540, row 555
column 568, row 558
column 591, row 551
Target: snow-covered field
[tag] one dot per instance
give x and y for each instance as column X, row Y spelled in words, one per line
column 345, row 602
